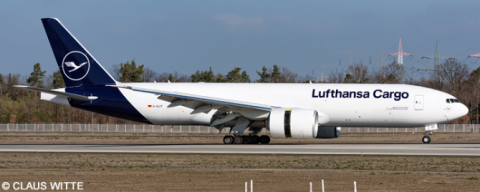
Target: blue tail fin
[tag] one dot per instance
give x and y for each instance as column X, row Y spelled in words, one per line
column 79, row 68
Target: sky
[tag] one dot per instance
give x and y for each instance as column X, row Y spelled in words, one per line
column 186, row 36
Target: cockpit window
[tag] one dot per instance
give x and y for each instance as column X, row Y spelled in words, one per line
column 453, row 101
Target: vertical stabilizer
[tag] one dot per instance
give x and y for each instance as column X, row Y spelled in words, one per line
column 79, row 68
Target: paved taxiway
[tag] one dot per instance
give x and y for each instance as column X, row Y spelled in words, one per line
column 298, row 149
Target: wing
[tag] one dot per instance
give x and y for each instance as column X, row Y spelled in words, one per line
column 228, row 109
column 180, row 98
column 56, row 92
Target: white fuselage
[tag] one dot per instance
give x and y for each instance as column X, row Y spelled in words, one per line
column 411, row 106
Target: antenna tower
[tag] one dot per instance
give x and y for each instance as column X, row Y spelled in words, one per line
column 350, row 60
column 400, row 53
column 382, row 57
column 437, row 57
column 475, row 55
column 322, row 69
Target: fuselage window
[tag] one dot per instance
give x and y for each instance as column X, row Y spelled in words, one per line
column 453, row 101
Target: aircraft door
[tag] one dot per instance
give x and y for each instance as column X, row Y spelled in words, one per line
column 418, row 102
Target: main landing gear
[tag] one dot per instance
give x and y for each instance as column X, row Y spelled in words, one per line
column 264, row 139
column 426, row 138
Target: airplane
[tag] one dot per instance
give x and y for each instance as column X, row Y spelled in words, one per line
column 296, row 110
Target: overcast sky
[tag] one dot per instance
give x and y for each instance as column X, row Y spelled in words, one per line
column 184, row 36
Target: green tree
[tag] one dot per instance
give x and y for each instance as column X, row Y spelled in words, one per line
column 11, row 80
column 58, row 80
column 2, row 85
column 220, row 79
column 170, row 78
column 130, row 72
column 276, row 75
column 264, row 76
column 36, row 76
column 203, row 76
column 234, row 75
column 245, row 78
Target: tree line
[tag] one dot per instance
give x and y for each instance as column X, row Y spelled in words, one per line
column 21, row 106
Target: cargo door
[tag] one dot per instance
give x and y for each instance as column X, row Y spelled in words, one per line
column 418, row 102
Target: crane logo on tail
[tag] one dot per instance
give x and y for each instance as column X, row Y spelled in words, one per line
column 75, row 65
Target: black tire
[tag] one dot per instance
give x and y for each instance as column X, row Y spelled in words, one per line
column 257, row 139
column 264, row 139
column 238, row 140
column 228, row 140
column 247, row 139
column 252, row 140
column 426, row 139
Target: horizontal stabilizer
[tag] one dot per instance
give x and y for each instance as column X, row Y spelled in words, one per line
column 57, row 92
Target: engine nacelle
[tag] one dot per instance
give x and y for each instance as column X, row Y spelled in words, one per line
column 327, row 132
column 295, row 123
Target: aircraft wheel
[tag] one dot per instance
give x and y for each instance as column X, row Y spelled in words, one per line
column 426, row 139
column 228, row 140
column 247, row 139
column 256, row 139
column 238, row 140
column 264, row 139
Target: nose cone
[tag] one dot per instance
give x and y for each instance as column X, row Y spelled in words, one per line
column 463, row 110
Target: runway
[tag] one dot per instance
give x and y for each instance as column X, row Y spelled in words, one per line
column 472, row 150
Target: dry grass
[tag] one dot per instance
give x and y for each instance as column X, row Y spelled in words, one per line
column 234, row 180
column 65, row 161
column 138, row 172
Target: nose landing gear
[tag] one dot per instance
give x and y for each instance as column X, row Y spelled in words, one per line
column 426, row 138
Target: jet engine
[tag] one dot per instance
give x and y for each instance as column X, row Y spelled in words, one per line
column 298, row 124
column 295, row 123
